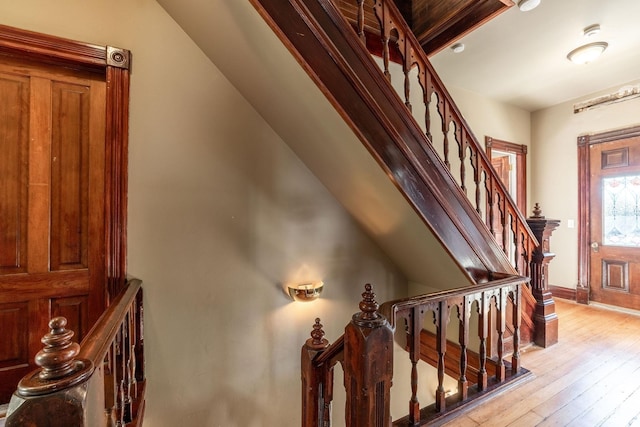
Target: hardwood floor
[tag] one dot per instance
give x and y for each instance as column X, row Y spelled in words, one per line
column 590, row 378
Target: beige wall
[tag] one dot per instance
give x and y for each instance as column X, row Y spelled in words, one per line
column 555, row 170
column 497, row 120
column 551, row 135
column 221, row 212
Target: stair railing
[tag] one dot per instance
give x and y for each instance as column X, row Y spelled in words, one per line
column 366, row 354
column 100, row 382
column 381, row 26
column 338, row 60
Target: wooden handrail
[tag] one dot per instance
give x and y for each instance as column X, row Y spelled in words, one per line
column 109, row 362
column 98, row 341
column 395, row 32
column 332, row 354
column 390, row 308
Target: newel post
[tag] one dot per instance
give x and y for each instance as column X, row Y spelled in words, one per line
column 545, row 317
column 313, row 387
column 58, row 388
column 368, row 365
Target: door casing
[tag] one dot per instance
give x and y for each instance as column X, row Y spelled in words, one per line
column 584, row 202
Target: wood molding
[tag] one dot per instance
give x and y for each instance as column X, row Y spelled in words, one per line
column 520, row 150
column 114, row 64
column 584, row 201
column 564, row 293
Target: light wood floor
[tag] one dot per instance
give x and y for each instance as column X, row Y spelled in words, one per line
column 590, row 378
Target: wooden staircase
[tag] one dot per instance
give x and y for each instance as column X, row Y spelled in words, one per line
column 357, row 52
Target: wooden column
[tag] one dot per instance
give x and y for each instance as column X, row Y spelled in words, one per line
column 545, row 317
column 368, row 365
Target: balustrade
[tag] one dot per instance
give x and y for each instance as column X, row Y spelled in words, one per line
column 98, row 383
column 445, row 129
column 366, row 353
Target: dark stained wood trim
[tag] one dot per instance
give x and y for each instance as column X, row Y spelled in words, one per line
column 117, row 142
column 564, row 293
column 328, row 49
column 114, row 64
column 434, row 39
column 584, row 202
column 520, row 150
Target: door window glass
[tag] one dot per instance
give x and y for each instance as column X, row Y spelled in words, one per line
column 621, row 210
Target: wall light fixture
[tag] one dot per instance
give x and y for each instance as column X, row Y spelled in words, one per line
column 305, row 292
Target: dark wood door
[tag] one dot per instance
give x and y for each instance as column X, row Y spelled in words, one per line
column 52, row 144
column 615, row 222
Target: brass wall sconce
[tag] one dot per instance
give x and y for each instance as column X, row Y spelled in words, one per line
column 305, row 292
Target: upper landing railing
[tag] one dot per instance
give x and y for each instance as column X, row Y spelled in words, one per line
column 98, row 383
column 366, row 354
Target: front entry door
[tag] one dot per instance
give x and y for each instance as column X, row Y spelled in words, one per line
column 615, row 222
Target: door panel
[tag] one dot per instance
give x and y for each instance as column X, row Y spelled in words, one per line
column 615, row 223
column 52, row 122
column 14, row 140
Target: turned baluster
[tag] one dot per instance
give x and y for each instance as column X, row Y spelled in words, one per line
column 139, row 325
column 131, row 368
column 483, row 329
column 427, row 93
column 126, row 368
column 413, row 338
column 518, row 239
column 477, row 179
column 314, row 407
column 517, row 319
column 119, row 377
column 442, row 318
column 381, row 12
column 504, row 220
column 406, row 68
column 445, row 131
column 501, row 305
column 110, row 384
column 464, row 313
column 327, row 397
column 360, row 22
column 462, row 152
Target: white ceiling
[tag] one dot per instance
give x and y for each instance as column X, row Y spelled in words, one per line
column 520, row 57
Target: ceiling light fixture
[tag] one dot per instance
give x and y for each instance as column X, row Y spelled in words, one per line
column 457, row 48
column 591, row 30
column 587, row 53
column 527, row 5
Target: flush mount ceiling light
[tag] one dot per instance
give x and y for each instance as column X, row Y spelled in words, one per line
column 587, row 53
column 457, row 48
column 591, row 30
column 527, row 5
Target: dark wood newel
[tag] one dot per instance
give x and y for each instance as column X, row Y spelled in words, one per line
column 312, row 377
column 368, row 365
column 545, row 317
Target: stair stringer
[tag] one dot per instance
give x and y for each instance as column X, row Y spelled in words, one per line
column 329, row 51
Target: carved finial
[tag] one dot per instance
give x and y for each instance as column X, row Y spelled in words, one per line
column 57, row 357
column 537, row 211
column 368, row 305
column 317, row 340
